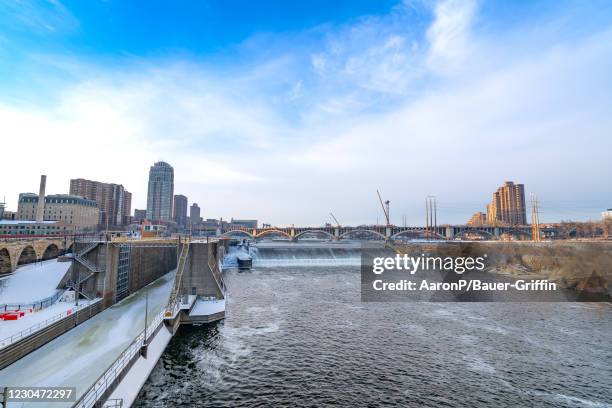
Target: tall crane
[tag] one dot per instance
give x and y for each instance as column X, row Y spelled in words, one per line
column 385, row 207
column 335, row 219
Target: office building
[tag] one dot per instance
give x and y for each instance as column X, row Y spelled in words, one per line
column 114, row 201
column 194, row 214
column 160, row 192
column 73, row 210
column 180, row 210
column 244, row 223
column 140, row 215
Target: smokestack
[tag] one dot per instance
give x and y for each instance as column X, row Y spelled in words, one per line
column 40, row 210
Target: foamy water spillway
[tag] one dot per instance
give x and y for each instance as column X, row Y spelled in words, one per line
column 270, row 254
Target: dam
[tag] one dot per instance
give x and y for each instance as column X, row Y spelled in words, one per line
column 133, row 296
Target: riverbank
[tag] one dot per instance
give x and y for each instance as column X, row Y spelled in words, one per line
column 582, row 266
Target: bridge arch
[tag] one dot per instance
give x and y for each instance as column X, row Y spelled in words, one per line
column 52, row 251
column 272, row 231
column 419, row 233
column 27, row 255
column 517, row 233
column 237, row 232
column 480, row 232
column 327, row 233
column 5, row 261
column 367, row 231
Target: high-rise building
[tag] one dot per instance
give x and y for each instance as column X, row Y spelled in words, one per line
column 194, row 214
column 160, row 192
column 114, row 201
column 180, row 209
column 508, row 205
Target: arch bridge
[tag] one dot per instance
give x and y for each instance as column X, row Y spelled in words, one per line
column 381, row 232
column 15, row 252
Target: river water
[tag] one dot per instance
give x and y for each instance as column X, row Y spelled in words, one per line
column 296, row 334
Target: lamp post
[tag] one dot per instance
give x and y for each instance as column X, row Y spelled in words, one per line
column 143, row 348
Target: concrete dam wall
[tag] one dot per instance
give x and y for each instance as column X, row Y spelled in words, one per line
column 120, row 269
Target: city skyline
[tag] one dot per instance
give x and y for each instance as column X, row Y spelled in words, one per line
column 292, row 118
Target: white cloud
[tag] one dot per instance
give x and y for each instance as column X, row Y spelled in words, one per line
column 373, row 107
column 449, row 35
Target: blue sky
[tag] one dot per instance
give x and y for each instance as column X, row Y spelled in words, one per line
column 284, row 111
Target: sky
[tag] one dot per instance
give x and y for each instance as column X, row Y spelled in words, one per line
column 287, row 111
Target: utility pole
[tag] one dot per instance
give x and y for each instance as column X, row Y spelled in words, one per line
column 431, row 217
column 535, row 219
column 426, row 218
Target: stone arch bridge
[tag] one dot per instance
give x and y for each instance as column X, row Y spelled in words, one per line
column 21, row 251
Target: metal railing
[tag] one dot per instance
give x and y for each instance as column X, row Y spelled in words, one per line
column 88, row 248
column 113, row 403
column 35, row 306
column 171, row 309
column 88, row 264
column 116, row 369
column 213, row 264
column 7, row 341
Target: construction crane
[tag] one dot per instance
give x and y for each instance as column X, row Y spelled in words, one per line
column 385, row 207
column 335, row 219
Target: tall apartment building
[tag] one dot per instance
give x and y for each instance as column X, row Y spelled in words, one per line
column 180, row 209
column 160, row 192
column 114, row 201
column 73, row 210
column 508, row 205
column 194, row 214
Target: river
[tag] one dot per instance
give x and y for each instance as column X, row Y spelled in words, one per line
column 296, row 334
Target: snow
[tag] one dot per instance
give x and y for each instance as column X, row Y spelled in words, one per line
column 80, row 356
column 207, row 307
column 32, row 282
column 32, row 322
column 132, row 383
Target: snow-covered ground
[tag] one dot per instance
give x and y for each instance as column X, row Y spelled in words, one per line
column 14, row 330
column 32, row 282
column 80, row 356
